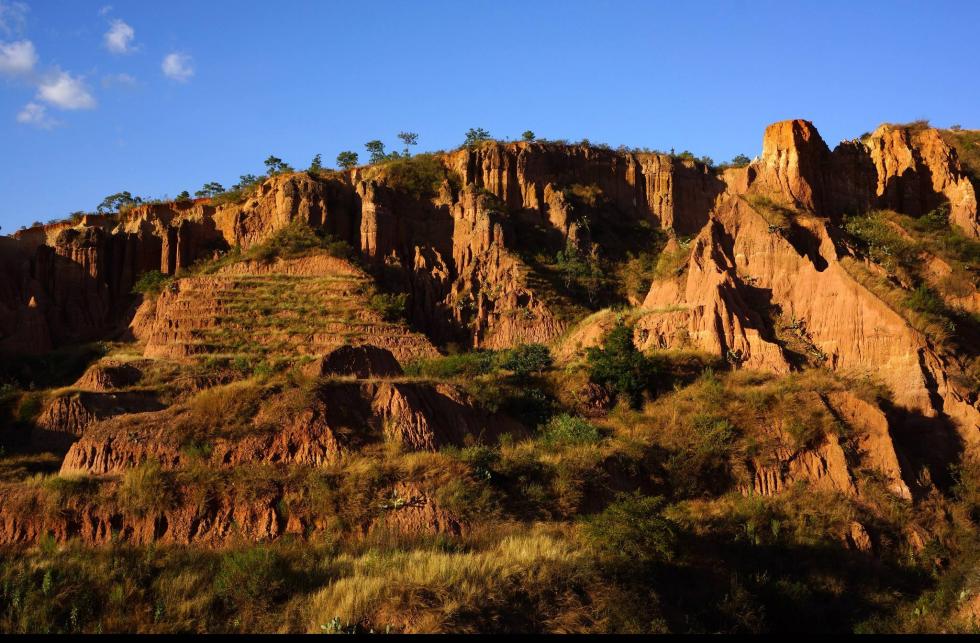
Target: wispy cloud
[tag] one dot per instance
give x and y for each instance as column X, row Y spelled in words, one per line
column 105, row 10
column 119, row 38
column 119, row 80
column 178, row 66
column 13, row 17
column 36, row 115
column 17, row 58
column 65, row 91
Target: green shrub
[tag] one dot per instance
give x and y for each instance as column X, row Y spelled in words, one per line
column 568, row 430
column 152, row 283
column 420, row 176
column 702, row 461
column 632, row 533
column 145, row 489
column 221, row 410
column 295, row 240
column 637, row 273
column 449, row 366
column 526, row 359
column 391, row 306
column 884, row 244
column 475, row 136
column 250, row 576
column 620, row 367
column 588, row 195
column 924, row 300
column 672, row 261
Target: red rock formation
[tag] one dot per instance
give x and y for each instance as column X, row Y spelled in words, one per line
column 793, row 162
column 108, row 375
column 342, row 417
column 917, row 171
column 362, row 362
column 66, row 418
column 707, row 307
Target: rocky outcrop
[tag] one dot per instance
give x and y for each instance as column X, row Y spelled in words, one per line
column 917, row 172
column 794, row 161
column 67, row 417
column 342, row 417
column 439, row 244
column 362, row 362
column 708, row 308
column 423, row 418
column 749, row 280
column 842, row 324
column 675, row 192
column 108, row 375
column 212, row 523
column 835, row 462
column 871, row 435
column 909, row 169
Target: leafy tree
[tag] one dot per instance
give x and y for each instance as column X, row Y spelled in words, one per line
column 582, row 270
column 210, row 189
column 475, row 136
column 377, row 150
column 151, row 282
column 620, row 367
column 528, row 136
column 739, row 160
column 118, row 201
column 408, row 138
column 184, row 196
column 527, row 359
column 245, row 181
column 276, row 165
column 347, row 159
column 316, row 165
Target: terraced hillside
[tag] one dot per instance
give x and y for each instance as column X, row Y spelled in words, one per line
column 289, row 309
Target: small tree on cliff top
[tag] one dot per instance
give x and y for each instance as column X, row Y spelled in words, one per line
column 408, row 138
column 347, row 159
column 377, row 151
column 118, row 201
column 210, row 189
column 276, row 165
column 474, row 136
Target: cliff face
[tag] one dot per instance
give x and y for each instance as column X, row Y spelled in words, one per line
column 461, row 253
column 910, row 170
column 774, row 293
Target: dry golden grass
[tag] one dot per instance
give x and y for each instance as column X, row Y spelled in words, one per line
column 433, row 591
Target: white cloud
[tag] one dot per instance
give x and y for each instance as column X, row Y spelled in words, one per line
column 105, row 10
column 37, row 115
column 178, row 66
column 119, row 38
column 17, row 57
column 65, row 91
column 119, row 80
column 13, row 17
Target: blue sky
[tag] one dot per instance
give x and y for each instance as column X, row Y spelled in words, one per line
column 158, row 97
